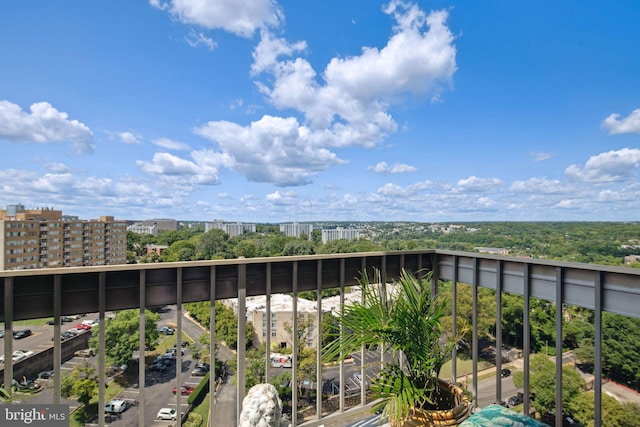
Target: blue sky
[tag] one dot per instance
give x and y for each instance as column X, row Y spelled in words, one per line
column 264, row 111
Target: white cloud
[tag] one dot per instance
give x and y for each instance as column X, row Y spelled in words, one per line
column 629, row 124
column 241, row 18
column 279, row 197
column 475, row 184
column 612, row 166
column 569, row 204
column 349, row 109
column 269, row 49
column 129, row 138
column 394, row 190
column 57, row 167
column 170, row 144
column 195, row 39
column 383, row 167
column 44, row 124
column 539, row 186
column 202, row 170
column 539, row 156
column 272, row 149
column 418, row 60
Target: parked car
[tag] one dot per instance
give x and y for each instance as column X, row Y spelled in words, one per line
column 85, row 352
column 168, row 355
column 165, row 361
column 115, row 370
column 21, row 334
column 167, row 414
column 116, row 406
column 159, row 367
column 1, row 333
column 504, row 373
column 82, row 327
column 199, row 371
column 516, row 400
column 23, row 353
column 66, row 335
column 567, row 421
column 45, row 375
column 184, row 390
column 166, row 330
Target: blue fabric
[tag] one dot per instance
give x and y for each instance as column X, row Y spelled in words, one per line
column 498, row 416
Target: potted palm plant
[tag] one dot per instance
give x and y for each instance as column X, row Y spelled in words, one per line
column 406, row 320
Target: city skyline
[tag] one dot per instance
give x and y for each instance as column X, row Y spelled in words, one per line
column 268, row 112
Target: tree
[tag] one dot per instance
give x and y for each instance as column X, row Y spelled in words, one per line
column 214, row 244
column 122, row 335
column 246, row 249
column 181, row 250
column 542, row 383
column 614, row 413
column 226, row 322
column 298, row 247
column 306, row 356
column 82, row 384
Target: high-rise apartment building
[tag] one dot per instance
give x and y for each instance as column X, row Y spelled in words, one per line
column 41, row 238
column 296, row 230
column 340, row 233
column 232, row 229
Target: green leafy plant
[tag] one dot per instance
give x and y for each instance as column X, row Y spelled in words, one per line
column 406, row 319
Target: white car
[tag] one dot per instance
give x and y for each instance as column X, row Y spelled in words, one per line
column 116, row 406
column 22, row 353
column 167, row 414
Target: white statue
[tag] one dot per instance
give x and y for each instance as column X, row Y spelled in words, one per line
column 262, row 407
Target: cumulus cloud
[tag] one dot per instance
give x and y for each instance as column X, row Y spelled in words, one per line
column 170, row 144
column 394, row 190
column 57, row 167
column 203, row 169
column 272, row 149
column 44, row 124
column 539, row 186
column 129, row 138
column 630, row 124
column 345, row 106
column 384, row 167
column 612, row 166
column 281, row 197
column 475, row 184
column 240, row 18
column 418, row 60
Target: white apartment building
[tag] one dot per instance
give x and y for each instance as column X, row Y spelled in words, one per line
column 143, row 229
column 340, row 234
column 232, row 229
column 296, row 230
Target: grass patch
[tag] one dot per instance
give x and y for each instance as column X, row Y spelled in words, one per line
column 203, row 410
column 464, row 367
column 19, row 324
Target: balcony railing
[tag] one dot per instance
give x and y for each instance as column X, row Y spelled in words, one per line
column 29, row 294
